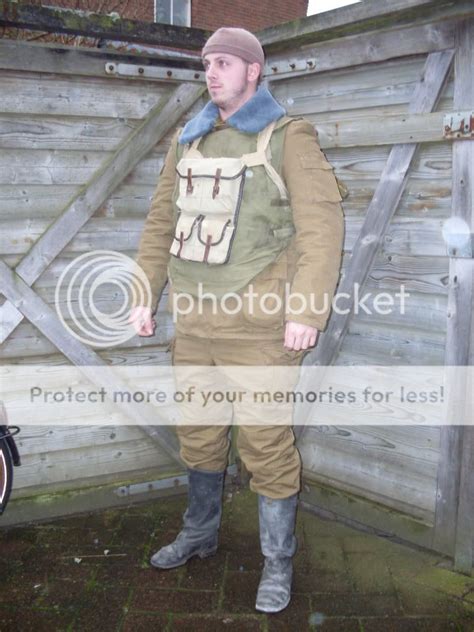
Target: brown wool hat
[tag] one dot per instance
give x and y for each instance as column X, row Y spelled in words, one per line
column 238, row 42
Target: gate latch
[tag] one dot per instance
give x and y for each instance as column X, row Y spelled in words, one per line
column 458, row 125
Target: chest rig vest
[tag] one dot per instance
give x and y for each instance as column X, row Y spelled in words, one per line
column 232, row 213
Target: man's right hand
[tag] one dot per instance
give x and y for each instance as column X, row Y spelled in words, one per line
column 142, row 320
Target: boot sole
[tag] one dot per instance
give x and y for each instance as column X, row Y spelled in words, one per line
column 201, row 554
column 270, row 611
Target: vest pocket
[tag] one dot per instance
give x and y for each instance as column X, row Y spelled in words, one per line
column 265, row 303
column 209, row 198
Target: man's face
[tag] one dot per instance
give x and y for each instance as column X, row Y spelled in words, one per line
column 230, row 80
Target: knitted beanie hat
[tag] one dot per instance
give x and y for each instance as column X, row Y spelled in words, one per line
column 237, row 42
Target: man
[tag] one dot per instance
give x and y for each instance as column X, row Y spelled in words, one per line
column 246, row 202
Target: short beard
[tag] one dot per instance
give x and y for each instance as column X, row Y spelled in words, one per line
column 226, row 104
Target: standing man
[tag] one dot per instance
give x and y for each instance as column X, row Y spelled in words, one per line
column 246, row 204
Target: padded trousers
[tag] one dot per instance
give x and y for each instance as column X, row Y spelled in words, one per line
column 267, row 451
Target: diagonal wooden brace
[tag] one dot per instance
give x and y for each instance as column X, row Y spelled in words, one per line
column 93, row 194
column 379, row 214
column 87, row 361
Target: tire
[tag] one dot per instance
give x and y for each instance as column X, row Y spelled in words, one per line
column 6, row 474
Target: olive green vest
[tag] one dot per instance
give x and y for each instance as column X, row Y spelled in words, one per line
column 265, row 220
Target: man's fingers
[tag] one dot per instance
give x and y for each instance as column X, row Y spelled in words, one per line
column 299, row 337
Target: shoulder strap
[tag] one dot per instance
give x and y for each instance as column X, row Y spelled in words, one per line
column 191, row 150
column 263, row 157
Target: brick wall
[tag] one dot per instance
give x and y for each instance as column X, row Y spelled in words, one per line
column 207, row 14
column 249, row 14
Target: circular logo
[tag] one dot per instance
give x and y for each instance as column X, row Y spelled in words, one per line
column 94, row 296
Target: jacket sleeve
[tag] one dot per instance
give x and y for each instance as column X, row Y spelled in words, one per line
column 315, row 251
column 157, row 236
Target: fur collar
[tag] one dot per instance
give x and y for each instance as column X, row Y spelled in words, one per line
column 258, row 112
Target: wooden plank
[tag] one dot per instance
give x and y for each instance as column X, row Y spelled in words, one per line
column 455, row 474
column 367, row 48
column 407, row 235
column 71, row 133
column 376, row 345
column 374, row 464
column 45, row 319
column 362, row 17
column 83, row 61
column 97, row 190
column 27, row 343
column 74, row 22
column 23, row 166
column 67, row 133
column 54, row 95
column 46, row 468
column 397, row 129
column 464, row 539
column 385, row 88
column 382, row 207
column 361, row 513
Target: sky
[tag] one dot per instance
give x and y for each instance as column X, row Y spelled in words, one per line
column 318, row 6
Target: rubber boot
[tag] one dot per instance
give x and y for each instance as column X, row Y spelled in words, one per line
column 201, row 521
column 278, row 542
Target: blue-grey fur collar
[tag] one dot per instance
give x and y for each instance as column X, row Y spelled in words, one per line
column 258, row 112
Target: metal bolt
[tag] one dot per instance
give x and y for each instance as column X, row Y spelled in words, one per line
column 141, row 71
column 111, row 67
column 275, row 68
column 169, row 73
column 292, row 66
column 196, row 75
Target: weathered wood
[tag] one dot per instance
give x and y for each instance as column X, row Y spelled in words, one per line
column 366, row 48
column 107, row 460
column 362, row 17
column 393, row 466
column 455, row 474
column 87, row 361
column 464, row 538
column 399, row 128
column 70, row 133
column 92, row 195
column 377, row 345
column 406, row 235
column 77, row 61
column 355, row 510
column 382, row 208
column 28, row 343
column 54, row 95
column 59, row 20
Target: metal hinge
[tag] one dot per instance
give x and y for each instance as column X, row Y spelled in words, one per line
column 458, row 125
column 159, row 73
column 290, row 67
column 163, row 483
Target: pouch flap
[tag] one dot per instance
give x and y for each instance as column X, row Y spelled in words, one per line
column 212, row 230
column 207, row 167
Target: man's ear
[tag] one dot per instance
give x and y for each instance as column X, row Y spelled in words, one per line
column 253, row 72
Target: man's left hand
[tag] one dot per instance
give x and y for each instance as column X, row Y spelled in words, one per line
column 299, row 336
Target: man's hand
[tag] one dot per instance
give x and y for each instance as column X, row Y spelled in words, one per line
column 142, row 321
column 298, row 336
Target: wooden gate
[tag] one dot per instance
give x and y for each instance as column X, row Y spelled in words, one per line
column 379, row 81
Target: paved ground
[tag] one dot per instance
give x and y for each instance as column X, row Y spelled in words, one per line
column 91, row 573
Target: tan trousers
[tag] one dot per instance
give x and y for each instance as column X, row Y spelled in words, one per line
column 267, row 451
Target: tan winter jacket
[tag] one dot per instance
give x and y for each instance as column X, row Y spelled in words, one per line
column 308, row 269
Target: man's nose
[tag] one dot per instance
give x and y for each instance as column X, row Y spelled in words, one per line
column 211, row 71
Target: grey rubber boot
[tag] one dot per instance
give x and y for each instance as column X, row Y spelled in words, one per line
column 278, row 542
column 201, row 521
